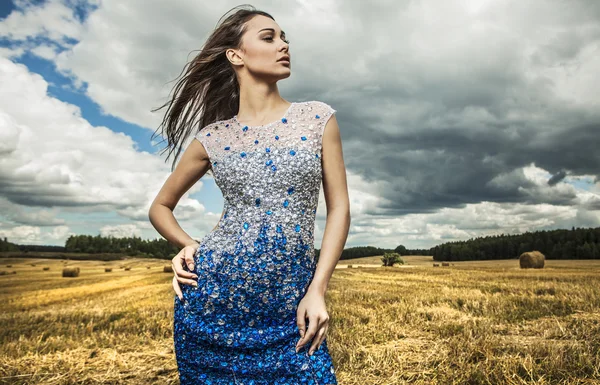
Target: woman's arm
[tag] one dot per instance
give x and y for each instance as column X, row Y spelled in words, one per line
column 312, row 304
column 194, row 163
column 338, row 206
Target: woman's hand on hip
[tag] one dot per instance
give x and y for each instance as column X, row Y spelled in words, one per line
column 179, row 274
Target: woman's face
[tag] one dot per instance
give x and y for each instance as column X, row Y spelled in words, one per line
column 263, row 44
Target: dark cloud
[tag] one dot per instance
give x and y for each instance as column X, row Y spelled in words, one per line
column 559, row 176
column 461, row 127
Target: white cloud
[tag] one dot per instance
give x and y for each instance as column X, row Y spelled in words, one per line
column 46, row 51
column 51, row 157
column 121, row 231
column 53, row 20
column 21, row 234
column 11, row 53
column 59, row 233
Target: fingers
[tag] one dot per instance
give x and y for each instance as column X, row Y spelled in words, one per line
column 178, row 267
column 188, row 255
column 312, row 329
column 301, row 321
column 318, row 340
column 185, row 281
column 315, row 324
column 177, row 288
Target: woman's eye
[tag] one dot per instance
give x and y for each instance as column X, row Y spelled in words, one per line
column 269, row 38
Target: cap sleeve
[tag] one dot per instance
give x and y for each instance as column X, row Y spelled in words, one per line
column 322, row 112
column 206, row 137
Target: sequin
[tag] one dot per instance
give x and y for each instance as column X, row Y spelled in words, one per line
column 238, row 326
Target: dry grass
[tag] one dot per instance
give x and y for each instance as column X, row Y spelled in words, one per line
column 485, row 322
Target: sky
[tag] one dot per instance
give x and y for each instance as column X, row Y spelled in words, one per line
column 459, row 118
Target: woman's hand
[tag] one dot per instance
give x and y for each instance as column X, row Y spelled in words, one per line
column 186, row 254
column 313, row 306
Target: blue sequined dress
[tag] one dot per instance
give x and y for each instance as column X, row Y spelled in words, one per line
column 238, row 326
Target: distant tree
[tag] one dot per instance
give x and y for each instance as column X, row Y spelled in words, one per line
column 389, row 259
column 401, row 250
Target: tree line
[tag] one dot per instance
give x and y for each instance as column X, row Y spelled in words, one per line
column 577, row 243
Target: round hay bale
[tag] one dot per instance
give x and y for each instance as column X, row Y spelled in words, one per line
column 147, row 267
column 168, row 269
column 8, row 265
column 70, row 272
column 349, row 266
column 532, row 260
column 46, row 268
column 3, row 272
column 127, row 268
column 33, row 264
column 445, row 263
column 107, row 269
column 436, row 265
column 14, row 272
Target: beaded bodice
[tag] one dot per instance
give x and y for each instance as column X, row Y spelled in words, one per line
column 270, row 177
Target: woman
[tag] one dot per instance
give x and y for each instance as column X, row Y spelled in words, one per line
column 252, row 284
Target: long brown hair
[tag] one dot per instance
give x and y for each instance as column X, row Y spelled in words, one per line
column 209, row 90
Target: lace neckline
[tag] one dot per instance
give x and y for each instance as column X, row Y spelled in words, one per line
column 285, row 115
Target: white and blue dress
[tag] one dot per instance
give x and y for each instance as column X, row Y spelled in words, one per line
column 238, row 326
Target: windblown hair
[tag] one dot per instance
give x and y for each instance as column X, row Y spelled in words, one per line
column 209, row 90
